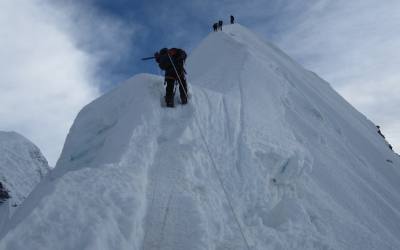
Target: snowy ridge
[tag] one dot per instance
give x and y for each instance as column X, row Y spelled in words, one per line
column 22, row 167
column 301, row 168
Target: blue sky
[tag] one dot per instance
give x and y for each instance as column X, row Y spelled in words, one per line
column 73, row 51
column 177, row 23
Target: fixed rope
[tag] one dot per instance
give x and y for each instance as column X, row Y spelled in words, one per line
column 214, row 165
column 222, row 185
column 179, row 78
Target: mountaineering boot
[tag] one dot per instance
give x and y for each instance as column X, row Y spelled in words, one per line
column 169, row 102
column 183, row 100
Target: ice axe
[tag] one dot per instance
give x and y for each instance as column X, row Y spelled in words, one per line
column 148, row 58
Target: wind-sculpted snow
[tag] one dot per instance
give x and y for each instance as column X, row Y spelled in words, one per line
column 266, row 155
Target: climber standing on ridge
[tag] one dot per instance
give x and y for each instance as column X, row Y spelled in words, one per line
column 215, row 27
column 220, row 23
column 172, row 62
column 232, row 19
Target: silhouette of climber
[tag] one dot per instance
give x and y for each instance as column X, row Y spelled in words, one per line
column 220, row 23
column 215, row 27
column 232, row 19
column 172, row 61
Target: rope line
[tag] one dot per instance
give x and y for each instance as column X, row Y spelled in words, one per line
column 164, row 220
column 223, row 186
column 179, row 78
column 214, row 165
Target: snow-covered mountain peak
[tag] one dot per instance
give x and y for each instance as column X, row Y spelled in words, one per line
column 266, row 155
column 22, row 165
column 224, row 54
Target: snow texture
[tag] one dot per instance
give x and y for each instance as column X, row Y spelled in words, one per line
column 266, row 155
column 22, row 167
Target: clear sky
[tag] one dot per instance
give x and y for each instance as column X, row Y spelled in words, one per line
column 58, row 55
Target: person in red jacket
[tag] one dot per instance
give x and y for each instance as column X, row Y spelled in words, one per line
column 172, row 62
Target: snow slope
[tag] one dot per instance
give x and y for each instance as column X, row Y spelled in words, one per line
column 22, row 167
column 265, row 156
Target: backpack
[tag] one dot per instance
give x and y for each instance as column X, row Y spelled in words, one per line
column 163, row 59
column 178, row 57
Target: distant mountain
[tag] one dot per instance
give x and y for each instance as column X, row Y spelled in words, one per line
column 22, row 166
column 266, row 155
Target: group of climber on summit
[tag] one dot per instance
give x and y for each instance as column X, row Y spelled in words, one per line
column 172, row 62
column 218, row 25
